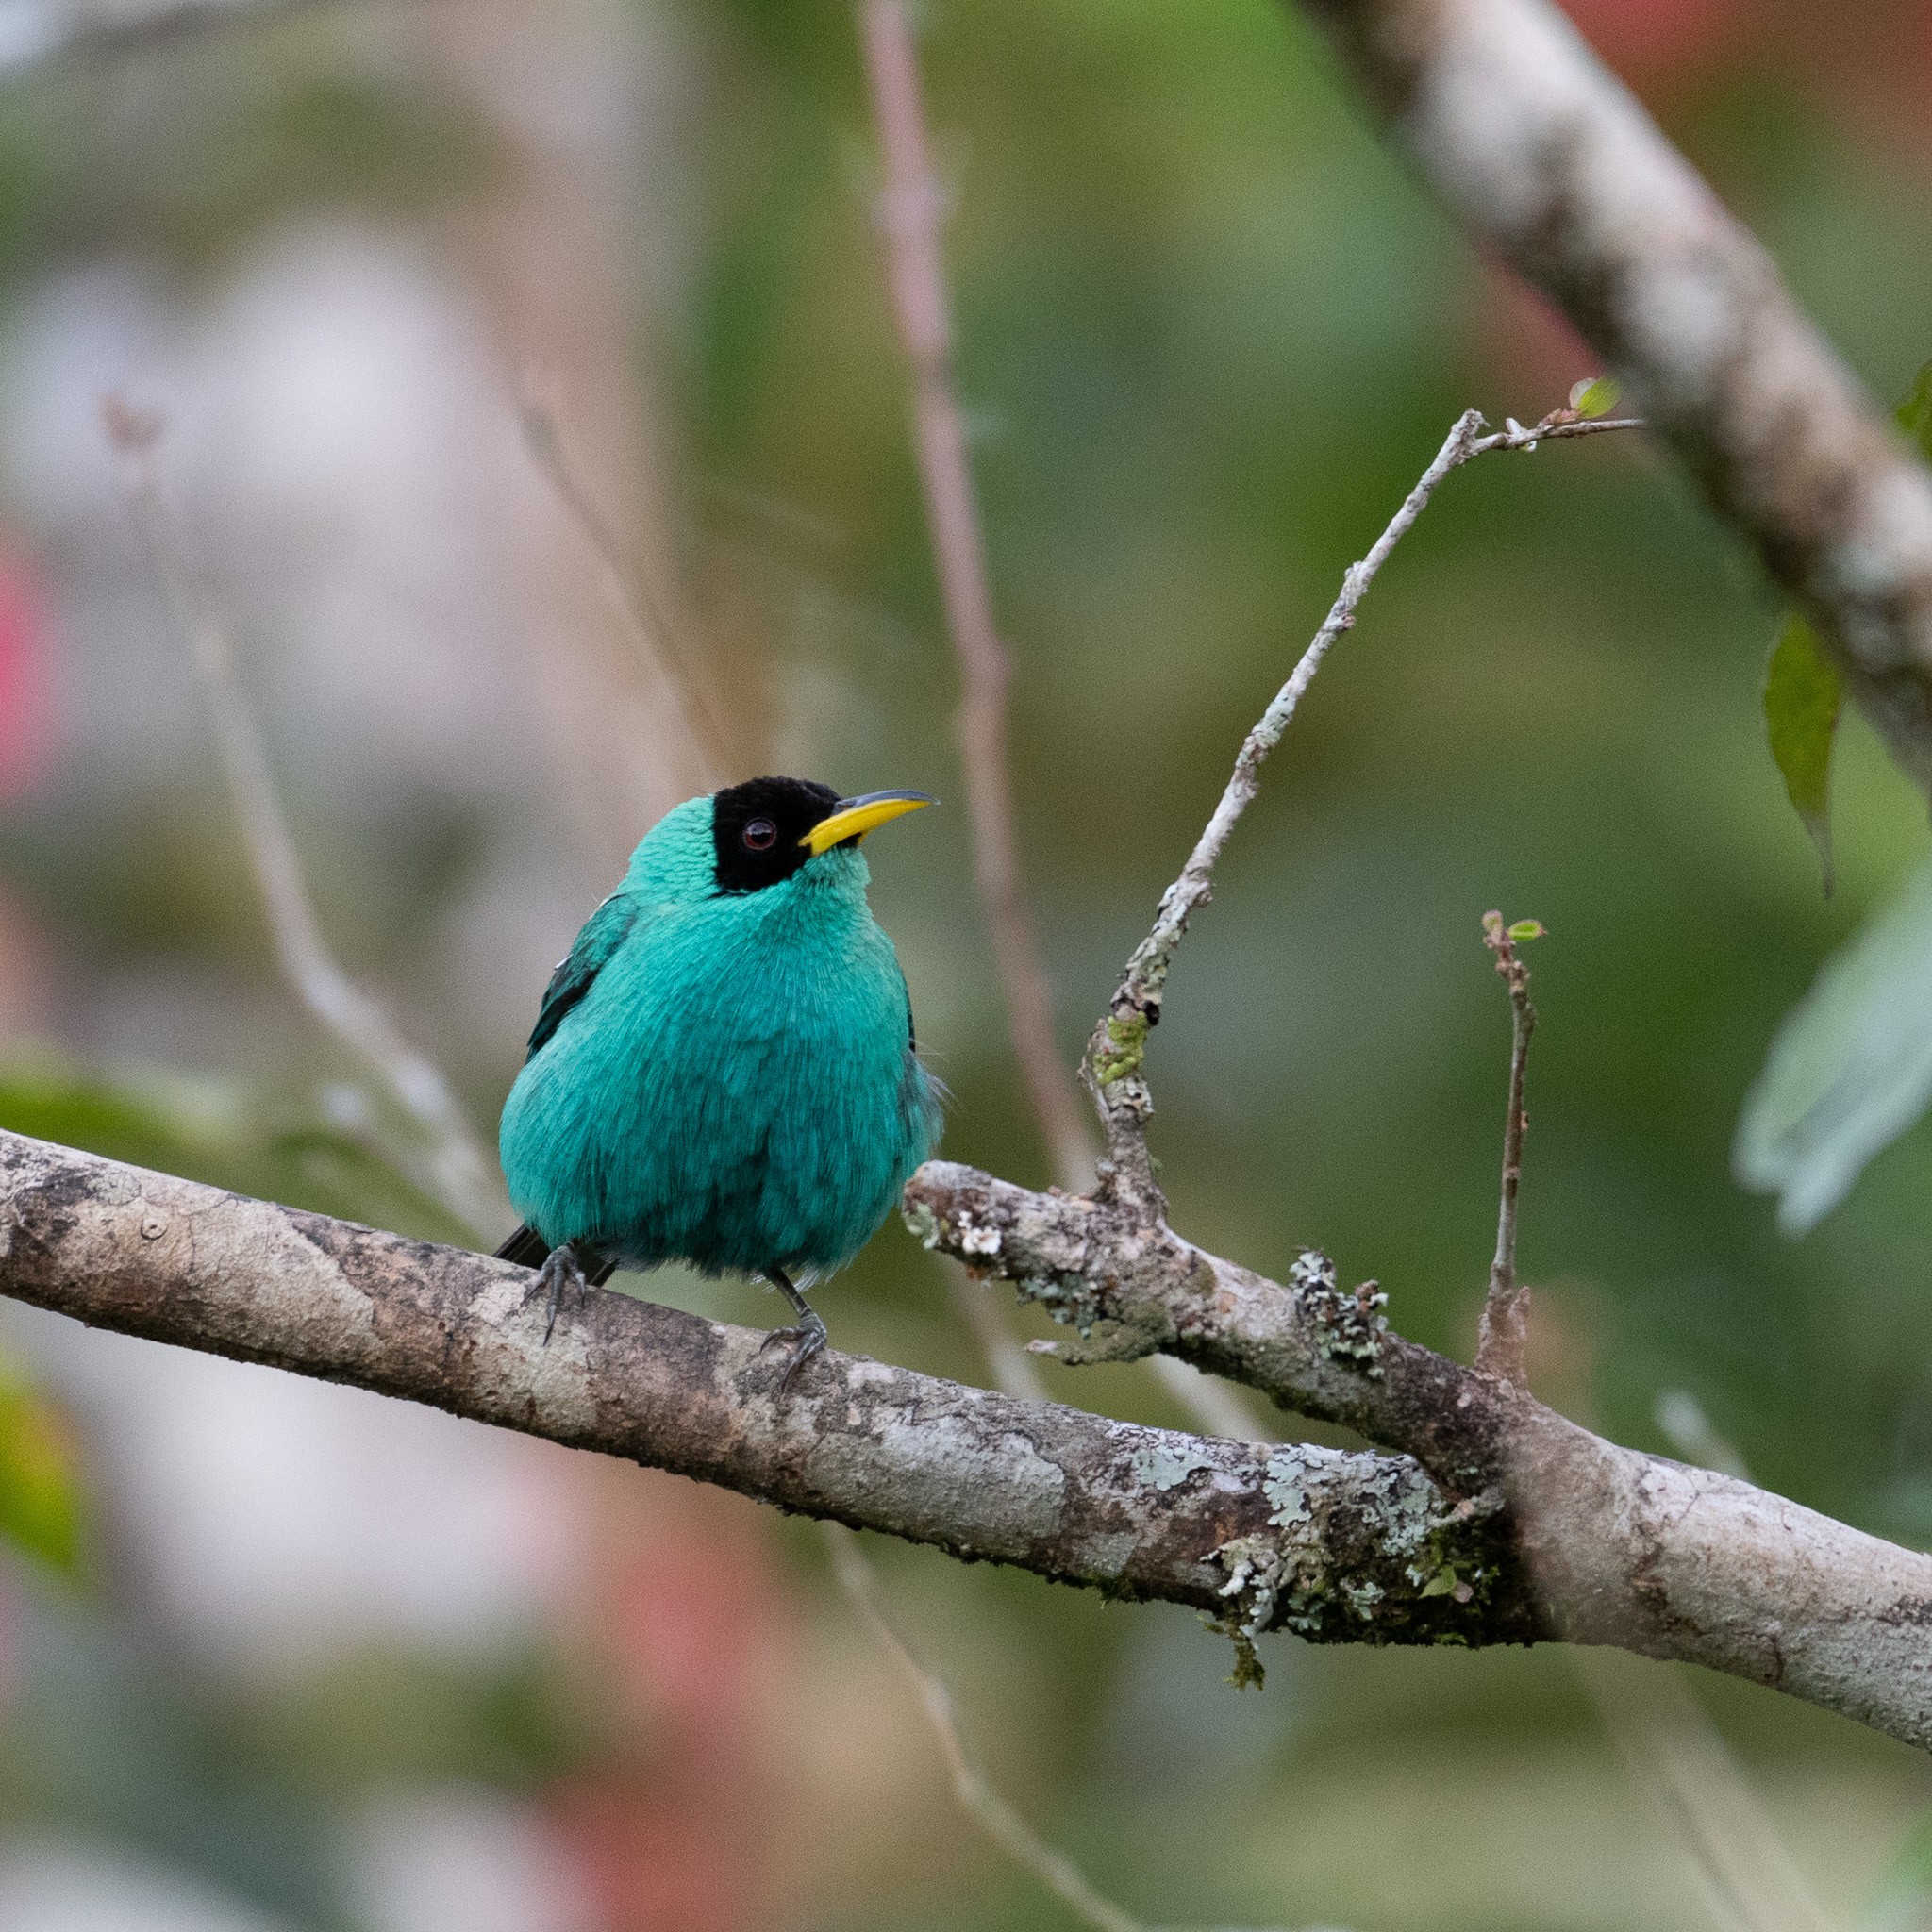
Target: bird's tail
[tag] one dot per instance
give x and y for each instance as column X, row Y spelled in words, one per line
column 528, row 1249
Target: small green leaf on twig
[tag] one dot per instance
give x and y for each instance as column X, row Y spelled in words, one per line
column 1528, row 929
column 1802, row 692
column 1595, row 395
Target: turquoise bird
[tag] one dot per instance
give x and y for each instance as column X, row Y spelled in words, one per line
column 725, row 1070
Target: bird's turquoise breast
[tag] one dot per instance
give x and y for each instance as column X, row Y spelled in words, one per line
column 736, row 1089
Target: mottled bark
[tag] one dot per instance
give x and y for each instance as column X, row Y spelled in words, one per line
column 1624, row 1549
column 1539, row 150
column 1338, row 1546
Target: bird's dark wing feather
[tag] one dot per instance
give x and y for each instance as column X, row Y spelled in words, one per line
column 603, row 933
column 528, row 1249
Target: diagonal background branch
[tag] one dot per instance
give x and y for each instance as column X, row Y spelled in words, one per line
column 459, row 1173
column 1539, row 150
column 909, row 209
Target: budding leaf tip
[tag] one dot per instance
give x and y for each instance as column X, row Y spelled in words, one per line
column 1595, row 396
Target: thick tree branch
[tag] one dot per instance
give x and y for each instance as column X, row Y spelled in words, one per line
column 1536, row 148
column 1508, row 1524
column 1624, row 1549
column 1345, row 1547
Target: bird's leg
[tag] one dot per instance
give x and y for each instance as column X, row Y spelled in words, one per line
column 806, row 1339
column 563, row 1267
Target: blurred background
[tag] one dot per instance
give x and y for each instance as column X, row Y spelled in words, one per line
column 275, row 1655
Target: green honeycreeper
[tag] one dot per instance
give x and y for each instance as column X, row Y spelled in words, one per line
column 725, row 1070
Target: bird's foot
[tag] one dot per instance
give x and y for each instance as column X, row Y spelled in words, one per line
column 805, row 1340
column 563, row 1267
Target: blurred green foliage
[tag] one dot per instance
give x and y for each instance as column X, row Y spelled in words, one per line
column 181, row 152
column 1208, row 334
column 40, row 1482
column 213, row 1130
column 1850, row 1067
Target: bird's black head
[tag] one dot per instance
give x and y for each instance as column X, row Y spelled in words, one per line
column 759, row 827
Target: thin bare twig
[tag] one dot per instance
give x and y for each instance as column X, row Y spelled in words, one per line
column 459, row 1173
column 1504, row 1334
column 909, row 212
column 994, row 1815
column 630, row 595
column 1115, row 1052
column 997, row 1818
column 1010, row 1364
column 1679, row 1759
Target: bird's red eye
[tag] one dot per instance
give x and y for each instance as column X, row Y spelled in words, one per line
column 760, row 835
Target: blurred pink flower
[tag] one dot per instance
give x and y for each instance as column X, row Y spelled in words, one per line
column 1652, row 41
column 25, row 715
column 682, row 1825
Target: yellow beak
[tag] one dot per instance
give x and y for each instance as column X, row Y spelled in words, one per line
column 853, row 818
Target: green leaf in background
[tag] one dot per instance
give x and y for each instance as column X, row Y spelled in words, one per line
column 1850, row 1068
column 1802, row 687
column 1802, row 692
column 209, row 1131
column 1904, row 1893
column 40, row 1484
column 1915, row 413
column 1595, row 395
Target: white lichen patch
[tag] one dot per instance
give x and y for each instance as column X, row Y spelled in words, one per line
column 1348, row 1328
column 1311, row 1269
column 971, row 1240
column 1255, row 1570
column 1165, row 1465
column 1256, row 1574
column 1361, row 1595
column 1282, row 1484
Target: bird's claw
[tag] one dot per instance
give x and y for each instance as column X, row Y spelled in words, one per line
column 562, row 1268
column 805, row 1340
